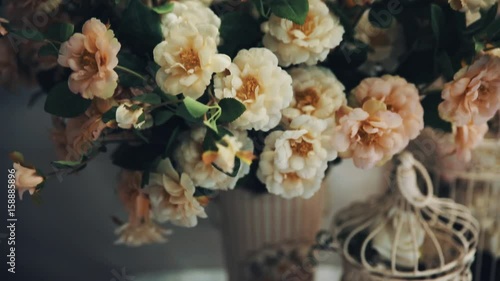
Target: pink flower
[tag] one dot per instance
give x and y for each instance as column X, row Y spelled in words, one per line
column 467, row 138
column 400, row 97
column 370, row 135
column 92, row 55
column 474, row 95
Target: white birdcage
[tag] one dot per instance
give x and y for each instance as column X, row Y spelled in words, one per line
column 407, row 234
column 477, row 186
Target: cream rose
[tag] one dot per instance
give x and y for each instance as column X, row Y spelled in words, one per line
column 473, row 97
column 293, row 162
column 189, row 157
column 411, row 235
column 92, row 56
column 316, row 92
column 308, row 43
column 126, row 117
column 255, row 79
column 188, row 58
column 172, row 197
column 192, row 11
column 27, row 179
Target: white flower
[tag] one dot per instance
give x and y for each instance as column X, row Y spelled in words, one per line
column 293, row 162
column 256, row 80
column 385, row 240
column 172, row 197
column 140, row 234
column 188, row 58
column 189, row 157
column 317, row 92
column 307, row 43
column 126, row 117
column 190, row 11
column 471, row 5
column 26, row 179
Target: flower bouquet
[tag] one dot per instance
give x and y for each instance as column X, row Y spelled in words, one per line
column 204, row 97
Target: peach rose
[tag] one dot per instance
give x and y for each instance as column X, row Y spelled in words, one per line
column 92, row 55
column 473, row 97
column 467, row 138
column 400, row 97
column 370, row 135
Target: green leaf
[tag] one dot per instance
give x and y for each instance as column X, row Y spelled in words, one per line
column 437, row 22
column 138, row 28
column 431, row 115
column 150, row 98
column 486, row 19
column 135, row 64
column 109, row 115
column 210, row 140
column 164, row 9
column 231, row 110
column 161, row 116
column 63, row 103
column 445, row 65
column 211, row 125
column 48, row 50
column 60, row 32
column 236, row 169
column 491, row 32
column 239, row 30
column 294, row 10
column 29, row 33
column 141, row 135
column 195, row 108
column 262, row 8
column 65, row 164
column 171, row 141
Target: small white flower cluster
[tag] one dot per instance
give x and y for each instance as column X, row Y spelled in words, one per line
column 294, row 160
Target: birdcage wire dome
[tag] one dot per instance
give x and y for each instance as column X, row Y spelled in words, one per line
column 477, row 186
column 426, row 238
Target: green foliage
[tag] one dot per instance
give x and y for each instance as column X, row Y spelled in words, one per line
column 60, row 32
column 136, row 157
column 65, row 164
column 238, row 30
column 48, row 50
column 294, row 10
column 139, row 28
column 164, row 9
column 431, row 115
column 161, row 116
column 63, row 103
column 149, row 98
column 262, row 7
column 109, row 115
column 28, row 33
column 133, row 63
column 231, row 110
column 195, row 108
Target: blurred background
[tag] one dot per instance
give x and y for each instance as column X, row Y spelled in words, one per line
column 69, row 235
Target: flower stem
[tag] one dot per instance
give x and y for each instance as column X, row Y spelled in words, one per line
column 130, row 71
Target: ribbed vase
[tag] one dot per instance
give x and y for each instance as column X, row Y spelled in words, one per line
column 258, row 228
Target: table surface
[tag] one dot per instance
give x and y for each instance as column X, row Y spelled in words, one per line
column 324, row 273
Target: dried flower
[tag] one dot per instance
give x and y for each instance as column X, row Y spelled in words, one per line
column 467, row 138
column 172, row 196
column 27, row 179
